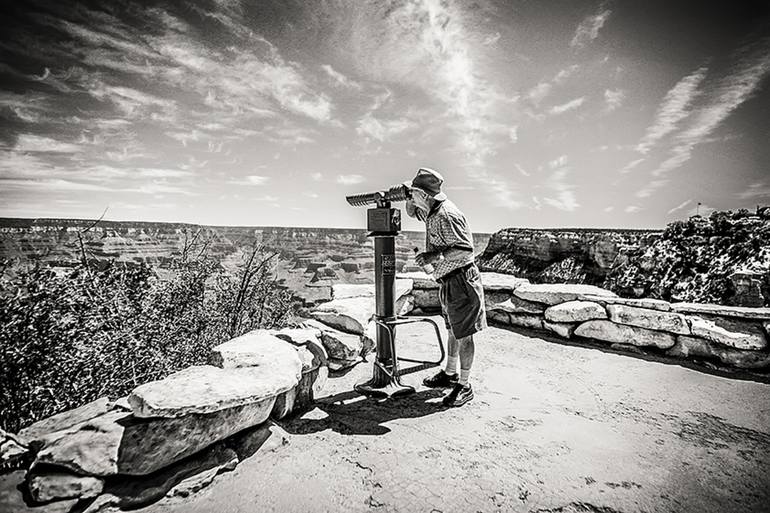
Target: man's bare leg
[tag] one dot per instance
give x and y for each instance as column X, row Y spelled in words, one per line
column 467, row 351
column 453, row 348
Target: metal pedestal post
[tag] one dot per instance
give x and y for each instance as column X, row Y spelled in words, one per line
column 385, row 380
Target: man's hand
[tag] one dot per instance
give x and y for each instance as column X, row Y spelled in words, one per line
column 428, row 257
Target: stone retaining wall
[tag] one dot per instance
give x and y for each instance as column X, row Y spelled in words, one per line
column 733, row 336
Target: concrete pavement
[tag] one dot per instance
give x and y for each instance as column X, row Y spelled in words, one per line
column 553, row 428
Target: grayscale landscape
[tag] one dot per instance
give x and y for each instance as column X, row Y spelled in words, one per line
column 240, row 241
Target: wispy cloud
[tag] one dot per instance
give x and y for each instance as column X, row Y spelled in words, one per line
column 566, row 107
column 588, row 29
column 651, row 187
column 564, row 192
column 756, row 190
column 382, row 130
column 254, row 180
column 38, row 144
column 632, row 209
column 679, row 207
column 673, row 109
column 613, row 99
column 339, row 78
column 727, row 95
column 350, row 179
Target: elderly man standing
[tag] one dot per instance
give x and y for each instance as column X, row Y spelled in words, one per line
column 449, row 249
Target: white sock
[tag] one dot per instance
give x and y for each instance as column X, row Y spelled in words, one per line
column 464, row 373
column 451, row 364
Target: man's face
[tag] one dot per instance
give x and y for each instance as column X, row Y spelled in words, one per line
column 418, row 205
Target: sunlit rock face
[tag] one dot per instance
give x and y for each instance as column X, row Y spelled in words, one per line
column 560, row 256
column 723, row 259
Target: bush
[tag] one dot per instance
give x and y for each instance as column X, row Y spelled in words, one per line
column 67, row 338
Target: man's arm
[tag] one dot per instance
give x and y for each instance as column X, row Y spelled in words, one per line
column 431, row 257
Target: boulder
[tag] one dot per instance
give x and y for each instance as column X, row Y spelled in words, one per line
column 308, row 338
column 494, row 297
column 501, row 282
column 301, row 396
column 724, row 311
column 13, row 501
column 349, row 315
column 12, row 448
column 517, row 305
column 608, row 331
column 404, row 305
column 555, row 293
column 563, row 329
column 426, row 299
column 336, row 365
column 258, row 348
column 369, row 338
column 526, row 320
column 732, row 333
column 63, row 485
column 652, row 304
column 205, row 389
column 338, row 345
column 499, row 317
column 688, row 347
column 180, row 479
column 420, row 280
column 119, row 443
column 575, row 311
column 651, row 319
column 66, row 419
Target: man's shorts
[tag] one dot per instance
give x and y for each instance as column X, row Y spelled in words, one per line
column 462, row 302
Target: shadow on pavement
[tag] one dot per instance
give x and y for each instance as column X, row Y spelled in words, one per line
column 352, row 414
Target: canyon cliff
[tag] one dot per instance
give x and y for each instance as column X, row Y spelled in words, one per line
column 562, row 255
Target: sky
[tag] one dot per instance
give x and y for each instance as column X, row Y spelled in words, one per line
column 542, row 113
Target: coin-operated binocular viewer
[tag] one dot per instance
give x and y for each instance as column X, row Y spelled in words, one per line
column 384, row 223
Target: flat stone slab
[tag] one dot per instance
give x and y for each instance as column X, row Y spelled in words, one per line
column 340, row 346
column 555, row 293
column 206, row 389
column 309, row 338
column 501, row 282
column 608, row 331
column 652, row 304
column 258, row 348
column 518, row 305
column 420, row 280
column 349, row 315
column 727, row 311
column 524, row 320
column 66, row 419
column 119, row 443
column 651, row 319
column 563, row 329
column 61, row 485
column 688, row 347
column 740, row 335
column 575, row 311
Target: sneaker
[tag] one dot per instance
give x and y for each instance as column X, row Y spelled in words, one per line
column 458, row 396
column 441, row 379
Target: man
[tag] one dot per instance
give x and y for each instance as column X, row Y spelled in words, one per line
column 449, row 249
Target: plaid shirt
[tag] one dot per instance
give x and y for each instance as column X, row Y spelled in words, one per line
column 447, row 228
